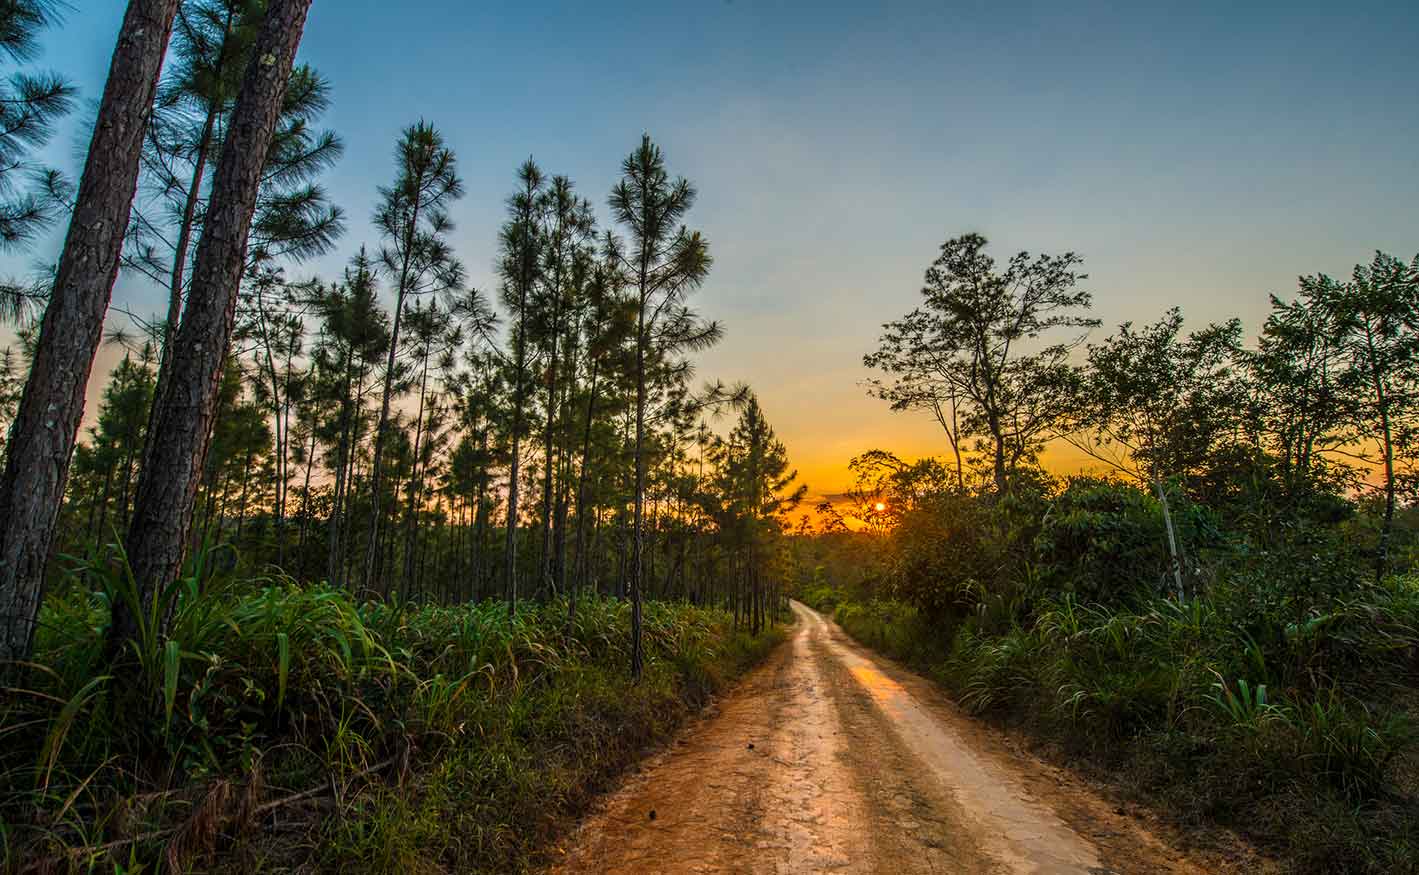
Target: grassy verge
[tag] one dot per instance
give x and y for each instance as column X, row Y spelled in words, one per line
column 281, row 726
column 1305, row 744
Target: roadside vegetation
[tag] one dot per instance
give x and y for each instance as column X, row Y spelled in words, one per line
column 1223, row 618
column 276, row 725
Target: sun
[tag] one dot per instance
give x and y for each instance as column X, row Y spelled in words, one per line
column 879, row 507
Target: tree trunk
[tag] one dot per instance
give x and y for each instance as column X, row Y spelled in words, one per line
column 637, row 536
column 371, row 552
column 345, row 468
column 514, row 461
column 177, row 449
column 480, row 519
column 305, row 495
column 997, row 437
column 103, row 510
column 47, row 422
column 411, row 513
column 1172, row 538
column 548, row 456
column 178, row 277
column 245, row 486
column 582, row 564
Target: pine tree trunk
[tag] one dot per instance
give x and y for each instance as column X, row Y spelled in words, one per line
column 548, row 456
column 345, row 470
column 582, row 565
column 103, row 510
column 305, row 496
column 372, row 548
column 245, row 486
column 177, row 448
column 480, row 519
column 637, row 536
column 124, row 493
column 177, row 279
column 47, row 422
column 518, row 399
column 411, row 513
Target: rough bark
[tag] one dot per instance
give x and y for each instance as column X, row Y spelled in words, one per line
column 177, row 449
column 47, row 423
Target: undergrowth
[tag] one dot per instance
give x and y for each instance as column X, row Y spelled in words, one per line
column 277, row 725
column 1300, row 735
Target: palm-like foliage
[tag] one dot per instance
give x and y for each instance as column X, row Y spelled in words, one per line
column 30, row 103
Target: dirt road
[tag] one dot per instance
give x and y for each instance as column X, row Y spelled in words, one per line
column 832, row 759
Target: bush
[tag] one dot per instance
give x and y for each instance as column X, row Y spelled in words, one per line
column 1105, row 541
column 949, row 554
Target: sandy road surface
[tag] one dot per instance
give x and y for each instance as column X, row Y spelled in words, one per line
column 832, row 759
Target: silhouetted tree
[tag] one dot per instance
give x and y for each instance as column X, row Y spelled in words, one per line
column 519, row 266
column 413, row 219
column 964, row 354
column 664, row 262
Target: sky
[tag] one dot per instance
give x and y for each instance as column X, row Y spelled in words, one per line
column 1195, row 154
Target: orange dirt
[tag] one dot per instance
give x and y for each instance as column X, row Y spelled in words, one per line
column 832, row 759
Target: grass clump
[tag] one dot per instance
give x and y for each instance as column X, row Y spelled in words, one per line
column 278, row 725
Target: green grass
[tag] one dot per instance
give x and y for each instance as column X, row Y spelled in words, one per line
column 1303, row 740
column 278, row 725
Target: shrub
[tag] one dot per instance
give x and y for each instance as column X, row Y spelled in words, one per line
column 1104, row 540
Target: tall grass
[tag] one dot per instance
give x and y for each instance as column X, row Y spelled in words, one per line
column 1299, row 734
column 289, row 725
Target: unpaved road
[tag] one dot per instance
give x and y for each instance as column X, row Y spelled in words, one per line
column 831, row 759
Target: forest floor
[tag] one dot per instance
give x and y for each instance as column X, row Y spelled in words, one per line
column 829, row 758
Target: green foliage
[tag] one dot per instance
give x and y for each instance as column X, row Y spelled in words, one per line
column 1104, row 540
column 1182, row 704
column 962, row 354
column 31, row 103
column 451, row 737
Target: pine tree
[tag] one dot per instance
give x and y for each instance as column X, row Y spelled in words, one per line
column 30, row 103
column 413, row 219
column 519, row 267
column 665, row 262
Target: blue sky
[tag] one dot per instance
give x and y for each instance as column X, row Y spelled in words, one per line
column 1199, row 154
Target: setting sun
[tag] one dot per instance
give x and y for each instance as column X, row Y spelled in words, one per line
column 879, row 507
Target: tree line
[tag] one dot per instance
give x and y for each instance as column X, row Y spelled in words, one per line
column 1322, row 408
column 545, row 438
